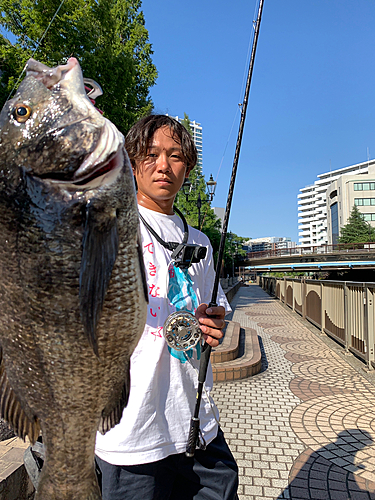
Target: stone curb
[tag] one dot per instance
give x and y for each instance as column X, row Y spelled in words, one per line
column 228, row 349
column 246, row 366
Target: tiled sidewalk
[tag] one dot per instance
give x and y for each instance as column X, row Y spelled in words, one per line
column 305, row 426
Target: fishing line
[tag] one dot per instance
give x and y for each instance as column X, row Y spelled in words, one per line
column 37, row 47
column 206, row 348
column 251, row 40
column 226, row 145
column 221, row 162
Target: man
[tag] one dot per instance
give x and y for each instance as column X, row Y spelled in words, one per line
column 144, row 456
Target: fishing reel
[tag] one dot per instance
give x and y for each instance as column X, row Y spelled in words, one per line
column 181, row 331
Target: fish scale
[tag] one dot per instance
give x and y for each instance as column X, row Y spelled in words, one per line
column 72, row 290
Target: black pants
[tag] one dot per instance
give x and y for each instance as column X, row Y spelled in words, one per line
column 211, row 475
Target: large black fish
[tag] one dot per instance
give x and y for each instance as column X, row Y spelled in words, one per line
column 72, row 289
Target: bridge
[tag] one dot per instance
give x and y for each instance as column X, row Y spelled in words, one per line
column 314, row 258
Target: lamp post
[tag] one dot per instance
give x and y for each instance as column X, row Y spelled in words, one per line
column 187, row 188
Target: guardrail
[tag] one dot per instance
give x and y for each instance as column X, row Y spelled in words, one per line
column 313, row 250
column 344, row 310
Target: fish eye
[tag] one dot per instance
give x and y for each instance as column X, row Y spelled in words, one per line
column 22, row 112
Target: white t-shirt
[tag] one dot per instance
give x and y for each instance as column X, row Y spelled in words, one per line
column 156, row 421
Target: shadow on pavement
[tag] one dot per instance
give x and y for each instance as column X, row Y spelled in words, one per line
column 263, row 354
column 328, row 473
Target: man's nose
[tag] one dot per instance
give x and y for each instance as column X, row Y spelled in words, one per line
column 163, row 162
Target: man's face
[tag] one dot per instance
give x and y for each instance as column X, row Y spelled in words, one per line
column 161, row 174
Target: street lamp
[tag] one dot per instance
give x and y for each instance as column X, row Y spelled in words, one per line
column 187, row 188
column 211, row 186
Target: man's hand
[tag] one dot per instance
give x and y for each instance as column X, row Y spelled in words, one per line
column 211, row 320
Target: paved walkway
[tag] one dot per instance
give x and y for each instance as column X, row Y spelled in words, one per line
column 305, row 426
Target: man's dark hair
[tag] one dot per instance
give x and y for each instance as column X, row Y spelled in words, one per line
column 139, row 136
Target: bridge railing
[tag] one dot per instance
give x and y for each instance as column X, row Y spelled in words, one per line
column 343, row 310
column 323, row 249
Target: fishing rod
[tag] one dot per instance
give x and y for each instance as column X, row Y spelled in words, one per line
column 206, row 349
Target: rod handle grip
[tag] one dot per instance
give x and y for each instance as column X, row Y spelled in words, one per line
column 193, row 437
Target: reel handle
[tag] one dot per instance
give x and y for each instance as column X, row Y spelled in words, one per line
column 193, row 437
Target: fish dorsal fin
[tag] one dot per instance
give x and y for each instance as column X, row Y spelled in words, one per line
column 111, row 415
column 99, row 252
column 11, row 410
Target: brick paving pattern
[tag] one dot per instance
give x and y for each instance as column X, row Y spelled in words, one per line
column 304, row 427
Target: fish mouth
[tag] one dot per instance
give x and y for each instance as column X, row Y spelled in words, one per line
column 99, row 167
column 108, row 154
column 102, row 173
column 107, row 150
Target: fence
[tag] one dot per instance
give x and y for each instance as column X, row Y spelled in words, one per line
column 344, row 310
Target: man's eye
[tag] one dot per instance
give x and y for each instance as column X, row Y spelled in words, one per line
column 151, row 155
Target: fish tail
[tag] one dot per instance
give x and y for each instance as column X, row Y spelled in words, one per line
column 86, row 489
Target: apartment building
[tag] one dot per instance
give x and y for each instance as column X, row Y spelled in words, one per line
column 197, row 137
column 312, row 205
column 345, row 192
column 268, row 243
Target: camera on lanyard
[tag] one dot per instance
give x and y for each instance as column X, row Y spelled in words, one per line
column 183, row 254
column 181, row 329
column 188, row 254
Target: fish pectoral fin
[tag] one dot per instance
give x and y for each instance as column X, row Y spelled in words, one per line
column 111, row 415
column 142, row 266
column 12, row 411
column 99, row 252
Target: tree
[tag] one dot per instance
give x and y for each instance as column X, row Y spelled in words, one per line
column 233, row 252
column 186, row 123
column 209, row 222
column 108, row 37
column 357, row 230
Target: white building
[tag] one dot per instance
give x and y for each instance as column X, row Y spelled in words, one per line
column 197, row 137
column 345, row 192
column 219, row 212
column 268, row 243
column 312, row 205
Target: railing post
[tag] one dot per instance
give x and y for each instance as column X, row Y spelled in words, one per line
column 293, row 301
column 369, row 327
column 346, row 318
column 322, row 307
column 284, row 290
column 303, row 292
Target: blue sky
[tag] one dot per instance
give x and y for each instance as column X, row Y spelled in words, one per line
column 312, row 98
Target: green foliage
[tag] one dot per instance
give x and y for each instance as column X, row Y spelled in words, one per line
column 289, row 274
column 186, row 123
column 233, row 252
column 209, row 222
column 357, row 230
column 108, row 37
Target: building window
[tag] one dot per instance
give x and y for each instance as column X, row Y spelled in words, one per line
column 335, row 224
column 364, row 186
column 369, row 217
column 364, row 202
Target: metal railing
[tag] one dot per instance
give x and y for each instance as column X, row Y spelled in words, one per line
column 313, row 250
column 344, row 310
